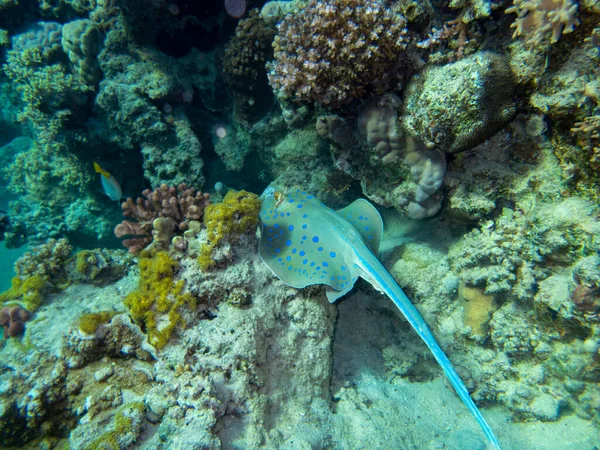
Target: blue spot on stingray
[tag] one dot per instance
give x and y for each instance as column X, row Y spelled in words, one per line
column 320, row 249
column 339, row 277
column 275, row 215
column 290, row 268
column 303, row 237
column 360, row 217
column 312, row 264
column 288, row 242
column 318, row 268
column 332, row 278
column 291, row 228
column 366, row 228
column 277, row 250
column 343, row 278
column 310, row 196
column 276, row 225
column 270, row 239
column 291, row 200
column 315, row 239
column 343, row 267
column 304, row 227
column 302, row 253
column 304, row 216
column 299, row 205
column 369, row 237
column 305, row 261
column 294, row 251
column 288, row 258
column 279, row 259
column 325, row 264
column 287, row 214
column 332, row 254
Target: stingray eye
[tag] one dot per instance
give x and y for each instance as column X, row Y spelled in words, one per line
column 278, row 195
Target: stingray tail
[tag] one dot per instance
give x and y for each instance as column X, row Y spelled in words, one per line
column 379, row 277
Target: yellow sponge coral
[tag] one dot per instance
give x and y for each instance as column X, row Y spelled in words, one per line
column 26, row 292
column 155, row 304
column 234, row 216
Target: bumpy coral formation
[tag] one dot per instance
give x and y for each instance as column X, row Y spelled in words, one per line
column 46, row 260
column 244, row 68
column 180, row 205
column 13, row 319
column 334, row 51
column 80, row 41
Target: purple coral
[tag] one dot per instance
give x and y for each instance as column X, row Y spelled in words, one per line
column 12, row 319
column 180, row 204
column 335, row 51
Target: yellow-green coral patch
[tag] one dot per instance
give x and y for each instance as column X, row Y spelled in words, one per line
column 156, row 303
column 235, row 215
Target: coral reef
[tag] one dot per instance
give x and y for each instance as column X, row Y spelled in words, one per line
column 165, row 204
column 510, row 254
column 334, row 51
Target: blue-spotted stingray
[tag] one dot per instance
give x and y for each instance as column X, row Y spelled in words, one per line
column 304, row 242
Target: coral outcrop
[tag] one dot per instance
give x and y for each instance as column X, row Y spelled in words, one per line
column 244, row 68
column 81, row 42
column 457, row 106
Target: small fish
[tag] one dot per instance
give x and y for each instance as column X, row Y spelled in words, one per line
column 111, row 186
column 304, row 242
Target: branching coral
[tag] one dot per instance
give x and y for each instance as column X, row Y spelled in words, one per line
column 179, row 205
column 537, row 19
column 335, row 51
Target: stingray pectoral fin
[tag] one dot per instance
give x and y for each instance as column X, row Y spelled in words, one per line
column 367, row 221
column 333, row 295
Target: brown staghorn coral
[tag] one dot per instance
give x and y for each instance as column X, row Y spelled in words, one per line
column 164, row 210
column 536, row 19
column 334, row 51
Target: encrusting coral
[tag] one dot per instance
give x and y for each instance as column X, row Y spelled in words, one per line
column 165, row 208
column 334, row 51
